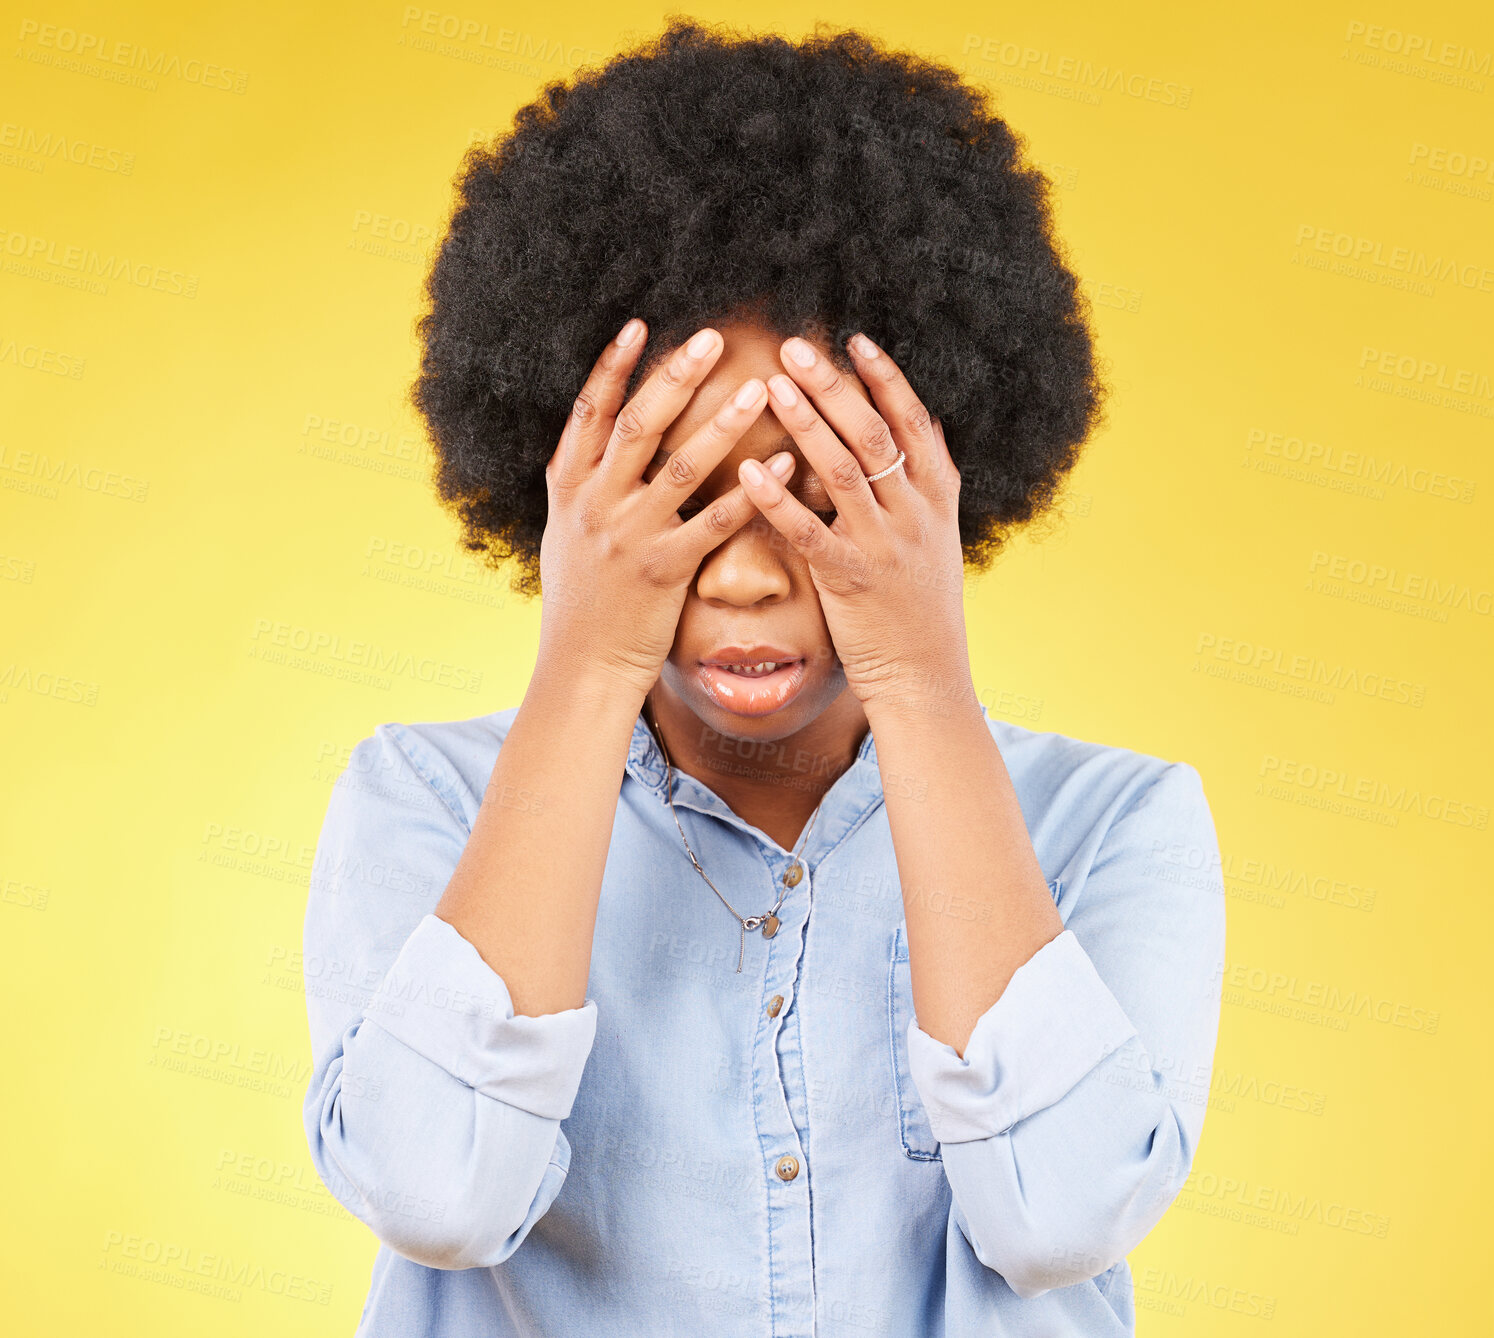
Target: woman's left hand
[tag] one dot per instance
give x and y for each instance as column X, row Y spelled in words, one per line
column 889, row 568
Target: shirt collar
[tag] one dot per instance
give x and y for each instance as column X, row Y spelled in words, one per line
column 855, row 792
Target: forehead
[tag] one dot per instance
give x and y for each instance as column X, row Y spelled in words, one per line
column 749, row 350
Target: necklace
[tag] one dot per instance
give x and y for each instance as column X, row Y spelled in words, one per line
column 768, row 923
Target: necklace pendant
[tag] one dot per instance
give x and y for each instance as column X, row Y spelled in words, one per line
column 770, row 926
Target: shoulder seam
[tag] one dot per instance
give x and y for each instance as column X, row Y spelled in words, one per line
column 387, row 730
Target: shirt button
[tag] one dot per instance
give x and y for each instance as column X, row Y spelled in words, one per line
column 787, row 1168
column 774, row 1004
column 793, row 874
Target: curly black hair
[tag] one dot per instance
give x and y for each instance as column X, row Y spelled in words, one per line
column 818, row 188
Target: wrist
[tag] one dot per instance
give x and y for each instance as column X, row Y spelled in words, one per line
column 923, row 696
column 576, row 684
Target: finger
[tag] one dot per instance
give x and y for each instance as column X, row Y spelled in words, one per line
column 722, row 518
column 856, row 422
column 839, row 470
column 808, row 534
column 641, row 421
column 692, row 463
column 913, row 427
column 945, row 463
column 589, row 423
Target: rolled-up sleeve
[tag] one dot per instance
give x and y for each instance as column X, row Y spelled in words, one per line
column 1071, row 1121
column 433, row 1113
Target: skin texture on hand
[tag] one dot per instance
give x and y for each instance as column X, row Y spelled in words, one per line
column 877, row 612
column 616, row 557
column 889, row 569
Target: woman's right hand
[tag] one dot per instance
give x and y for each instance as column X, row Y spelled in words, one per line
column 616, row 559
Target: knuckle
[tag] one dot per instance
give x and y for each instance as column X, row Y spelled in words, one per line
column 719, row 518
column 846, row 471
column 629, row 426
column 806, row 532
column 917, row 419
column 681, row 469
column 877, row 439
column 673, row 374
column 585, row 410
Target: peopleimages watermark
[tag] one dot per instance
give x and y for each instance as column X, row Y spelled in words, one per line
column 1404, row 260
column 1371, row 576
column 278, row 642
column 92, row 53
column 38, row 257
column 1380, row 471
column 25, row 144
column 1075, row 76
column 1418, row 46
column 177, row 1264
column 40, row 358
column 1397, row 796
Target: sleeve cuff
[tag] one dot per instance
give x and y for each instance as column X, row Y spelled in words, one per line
column 1053, row 1023
column 443, row 1001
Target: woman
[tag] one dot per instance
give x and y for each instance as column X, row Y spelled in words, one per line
column 749, row 977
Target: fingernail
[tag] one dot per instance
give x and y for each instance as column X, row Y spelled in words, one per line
column 783, row 390
column 782, row 464
column 629, row 332
column 864, row 346
column 747, row 396
column 754, row 471
column 702, row 344
column 800, row 352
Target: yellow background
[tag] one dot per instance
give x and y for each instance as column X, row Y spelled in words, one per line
column 241, row 460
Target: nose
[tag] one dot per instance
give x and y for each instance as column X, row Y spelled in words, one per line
column 745, row 569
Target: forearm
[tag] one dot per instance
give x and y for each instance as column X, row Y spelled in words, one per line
column 975, row 897
column 525, row 890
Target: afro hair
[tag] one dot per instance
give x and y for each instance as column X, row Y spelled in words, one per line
column 819, row 188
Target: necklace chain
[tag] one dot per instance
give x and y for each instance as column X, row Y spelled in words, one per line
column 751, row 921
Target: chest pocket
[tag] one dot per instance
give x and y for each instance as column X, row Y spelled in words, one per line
column 917, row 1137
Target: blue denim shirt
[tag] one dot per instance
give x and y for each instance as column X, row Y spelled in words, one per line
column 782, row 1151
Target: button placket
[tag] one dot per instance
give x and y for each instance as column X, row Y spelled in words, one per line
column 781, row 1109
column 790, row 878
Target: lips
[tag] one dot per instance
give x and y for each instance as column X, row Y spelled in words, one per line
column 752, row 680
column 740, row 657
